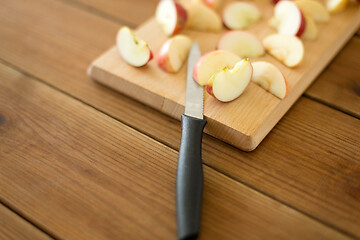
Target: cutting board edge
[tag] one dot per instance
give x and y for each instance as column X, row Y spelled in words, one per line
column 243, row 141
column 105, row 78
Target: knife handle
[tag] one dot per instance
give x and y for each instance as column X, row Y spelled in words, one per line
column 189, row 179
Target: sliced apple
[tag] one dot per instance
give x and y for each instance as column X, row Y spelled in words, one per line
column 240, row 15
column 228, row 84
column 314, row 9
column 211, row 63
column 173, row 53
column 311, row 31
column 171, row 16
column 243, row 44
column 286, row 48
column 336, row 5
column 134, row 51
column 288, row 19
column 203, row 18
column 270, row 78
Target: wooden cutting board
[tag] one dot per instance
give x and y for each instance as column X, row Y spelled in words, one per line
column 246, row 121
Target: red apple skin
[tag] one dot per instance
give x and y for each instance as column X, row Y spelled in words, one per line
column 209, row 87
column 275, row 1
column 302, row 25
column 162, row 57
column 181, row 18
column 151, row 55
column 209, row 90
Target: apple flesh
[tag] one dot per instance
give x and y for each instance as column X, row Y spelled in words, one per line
column 286, row 48
column 243, row 44
column 311, row 30
column 288, row 19
column 228, row 84
column 270, row 78
column 171, row 16
column 240, row 15
column 336, row 5
column 134, row 51
column 173, row 53
column 314, row 9
column 203, row 18
column 211, row 63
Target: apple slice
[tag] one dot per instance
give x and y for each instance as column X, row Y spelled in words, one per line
column 134, row 51
column 314, row 9
column 311, row 30
column 203, row 18
column 240, row 15
column 286, row 48
column 173, row 53
column 243, row 44
column 288, row 19
column 171, row 16
column 211, row 63
column 270, row 78
column 336, row 5
column 228, row 84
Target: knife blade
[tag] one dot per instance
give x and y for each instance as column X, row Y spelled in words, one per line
column 189, row 177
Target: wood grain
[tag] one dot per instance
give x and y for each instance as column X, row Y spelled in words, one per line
column 339, row 85
column 245, row 121
column 123, row 10
column 293, row 164
column 13, row 227
column 73, row 171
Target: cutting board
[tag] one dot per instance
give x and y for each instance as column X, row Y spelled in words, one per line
column 245, row 122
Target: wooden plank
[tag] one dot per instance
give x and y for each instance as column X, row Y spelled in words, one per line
column 339, row 85
column 312, row 145
column 245, row 121
column 123, row 10
column 14, row 227
column 103, row 180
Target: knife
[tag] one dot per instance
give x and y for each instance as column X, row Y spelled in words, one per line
column 189, row 177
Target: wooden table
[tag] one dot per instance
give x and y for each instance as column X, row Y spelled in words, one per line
column 81, row 161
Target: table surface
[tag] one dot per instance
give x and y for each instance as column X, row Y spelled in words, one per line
column 81, row 161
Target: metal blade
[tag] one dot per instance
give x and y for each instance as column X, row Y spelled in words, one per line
column 194, row 100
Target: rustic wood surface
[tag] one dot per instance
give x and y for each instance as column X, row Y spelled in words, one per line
column 339, row 85
column 71, row 140
column 14, row 227
column 245, row 121
column 108, row 191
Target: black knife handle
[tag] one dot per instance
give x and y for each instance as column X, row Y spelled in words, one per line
column 189, row 179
